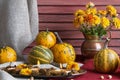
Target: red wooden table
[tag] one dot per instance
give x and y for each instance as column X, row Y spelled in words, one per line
column 93, row 75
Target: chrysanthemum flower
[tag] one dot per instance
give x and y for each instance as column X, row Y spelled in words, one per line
column 96, row 20
column 79, row 12
column 111, row 10
column 116, row 22
column 102, row 12
column 92, row 19
column 78, row 21
column 105, row 22
column 91, row 11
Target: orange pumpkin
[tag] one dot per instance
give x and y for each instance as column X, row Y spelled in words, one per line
column 7, row 54
column 63, row 52
column 46, row 38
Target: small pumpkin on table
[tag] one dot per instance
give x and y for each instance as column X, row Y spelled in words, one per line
column 46, row 38
column 7, row 54
column 106, row 60
column 63, row 52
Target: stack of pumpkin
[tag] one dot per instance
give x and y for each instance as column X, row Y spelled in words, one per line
column 48, row 50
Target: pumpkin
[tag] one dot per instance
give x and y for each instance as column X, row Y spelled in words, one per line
column 7, row 54
column 63, row 52
column 40, row 53
column 46, row 38
column 106, row 60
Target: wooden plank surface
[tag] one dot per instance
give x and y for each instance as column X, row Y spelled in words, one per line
column 66, row 9
column 77, row 2
column 77, row 34
column 58, row 26
column 57, row 18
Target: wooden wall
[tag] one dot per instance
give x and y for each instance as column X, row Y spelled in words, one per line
column 57, row 15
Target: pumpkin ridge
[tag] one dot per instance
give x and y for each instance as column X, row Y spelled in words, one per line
column 38, row 59
column 40, row 54
column 49, row 51
column 43, row 50
column 105, row 59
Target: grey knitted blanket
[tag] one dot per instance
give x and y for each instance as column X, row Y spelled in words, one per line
column 18, row 23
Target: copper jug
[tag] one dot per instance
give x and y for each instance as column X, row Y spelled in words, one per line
column 92, row 45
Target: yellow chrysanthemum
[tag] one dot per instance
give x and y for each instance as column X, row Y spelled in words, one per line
column 90, row 4
column 79, row 12
column 105, row 22
column 91, row 11
column 96, row 20
column 81, row 19
column 78, row 21
column 102, row 12
column 111, row 10
column 116, row 22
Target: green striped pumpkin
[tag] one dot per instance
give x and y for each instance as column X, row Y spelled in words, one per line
column 41, row 53
column 106, row 61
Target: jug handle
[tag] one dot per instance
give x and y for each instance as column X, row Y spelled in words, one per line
column 108, row 38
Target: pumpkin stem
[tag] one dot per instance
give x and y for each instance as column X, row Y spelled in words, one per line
column 47, row 29
column 3, row 46
column 106, row 42
column 58, row 37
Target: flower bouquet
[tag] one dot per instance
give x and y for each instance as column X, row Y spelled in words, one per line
column 96, row 22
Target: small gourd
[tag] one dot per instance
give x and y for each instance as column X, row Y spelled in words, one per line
column 46, row 38
column 40, row 53
column 7, row 54
column 106, row 60
column 63, row 52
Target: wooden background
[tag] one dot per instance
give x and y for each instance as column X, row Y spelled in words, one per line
column 57, row 15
